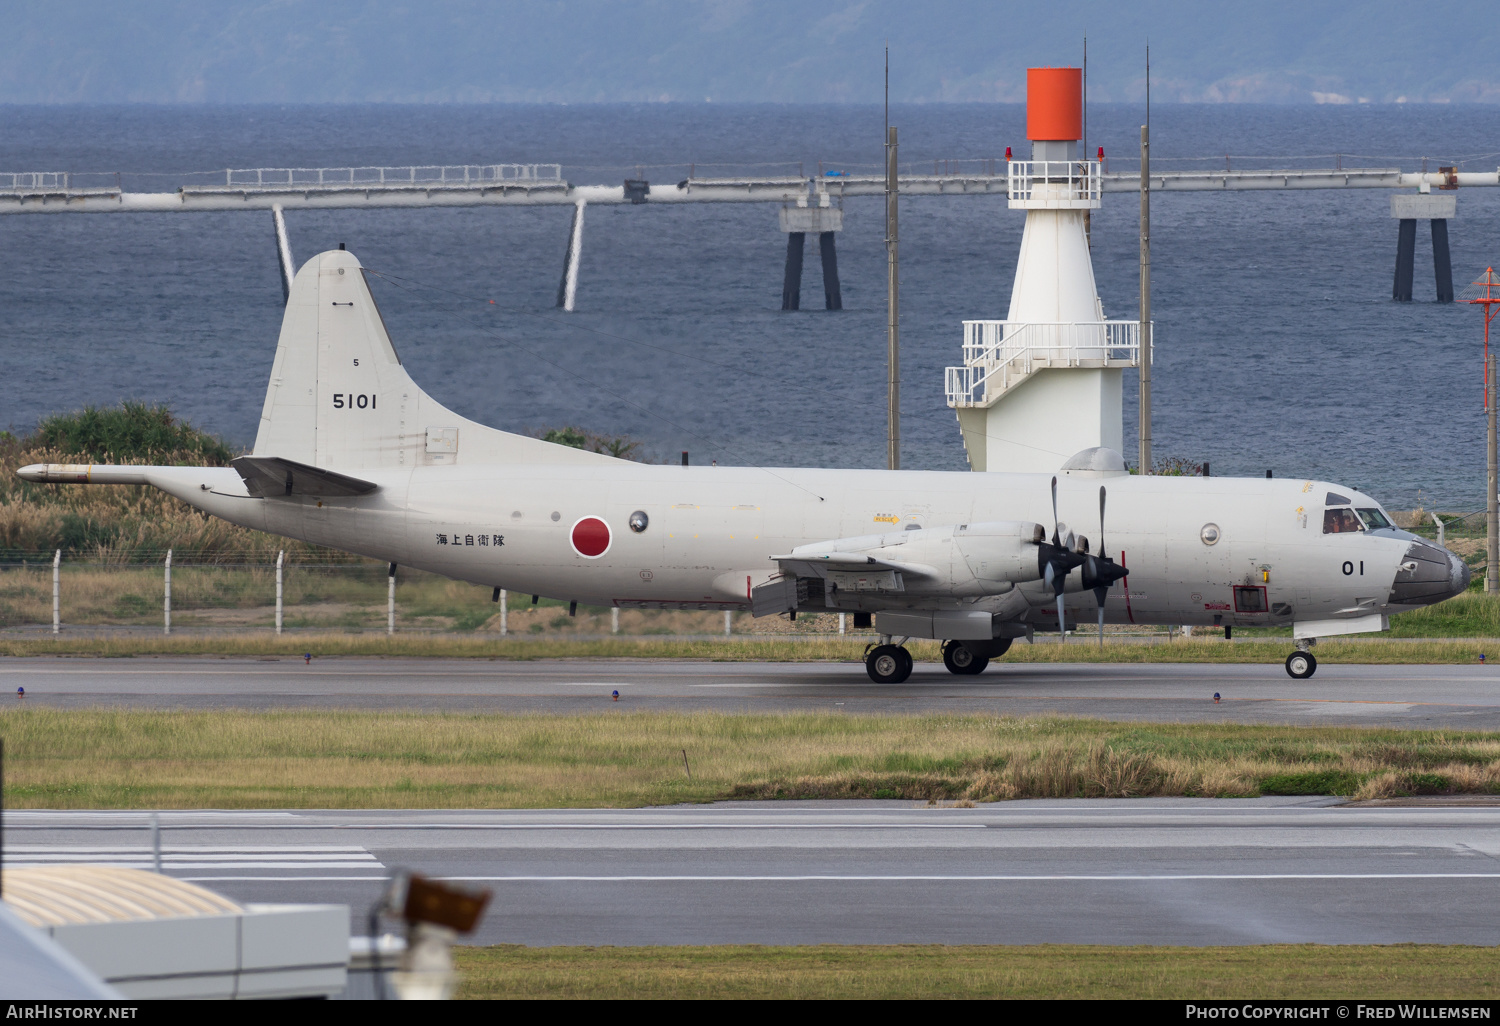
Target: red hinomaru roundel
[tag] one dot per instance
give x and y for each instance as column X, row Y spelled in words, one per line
column 590, row 537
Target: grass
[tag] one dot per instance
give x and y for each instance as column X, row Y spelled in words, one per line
column 537, row 641
column 352, row 595
column 1263, row 972
column 102, row 758
column 346, row 595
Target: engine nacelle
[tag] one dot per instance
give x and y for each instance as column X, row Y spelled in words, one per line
column 959, row 560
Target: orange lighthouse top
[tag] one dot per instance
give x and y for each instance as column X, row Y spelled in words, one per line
column 1054, row 104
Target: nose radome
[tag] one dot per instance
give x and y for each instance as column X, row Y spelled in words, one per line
column 1460, row 575
column 1428, row 574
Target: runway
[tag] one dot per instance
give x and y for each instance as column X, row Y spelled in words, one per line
column 1438, row 696
column 1145, row 871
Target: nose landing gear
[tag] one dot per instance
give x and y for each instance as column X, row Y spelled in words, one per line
column 888, row 664
column 1301, row 664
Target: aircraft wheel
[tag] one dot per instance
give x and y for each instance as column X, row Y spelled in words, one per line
column 1301, row 665
column 960, row 659
column 888, row 664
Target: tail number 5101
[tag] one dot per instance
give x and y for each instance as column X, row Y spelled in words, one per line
column 349, row 401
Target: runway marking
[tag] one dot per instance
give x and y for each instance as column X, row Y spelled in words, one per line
column 976, row 878
column 1074, row 698
column 177, row 857
column 280, row 879
column 896, row 825
column 893, row 878
column 310, row 850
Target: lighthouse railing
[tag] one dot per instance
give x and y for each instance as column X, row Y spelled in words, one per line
column 998, row 355
column 1055, row 184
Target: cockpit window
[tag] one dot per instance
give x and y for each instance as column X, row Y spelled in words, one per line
column 1340, row 521
column 1374, row 519
column 1335, row 499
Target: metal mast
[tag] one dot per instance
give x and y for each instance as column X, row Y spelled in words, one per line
column 893, row 285
column 1492, row 499
column 1145, row 428
column 1486, row 298
column 1088, row 233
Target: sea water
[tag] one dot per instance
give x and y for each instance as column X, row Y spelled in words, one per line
column 1278, row 346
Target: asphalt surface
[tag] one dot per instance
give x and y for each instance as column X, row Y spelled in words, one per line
column 1157, row 871
column 1449, row 697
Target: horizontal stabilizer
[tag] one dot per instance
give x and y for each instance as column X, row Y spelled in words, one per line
column 82, row 473
column 271, row 476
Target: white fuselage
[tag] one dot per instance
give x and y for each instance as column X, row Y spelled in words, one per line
column 712, row 530
column 352, row 454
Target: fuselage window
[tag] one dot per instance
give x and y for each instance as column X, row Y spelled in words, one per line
column 1374, row 519
column 1340, row 521
column 1335, row 499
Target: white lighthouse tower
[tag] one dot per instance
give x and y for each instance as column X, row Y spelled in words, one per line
column 1045, row 383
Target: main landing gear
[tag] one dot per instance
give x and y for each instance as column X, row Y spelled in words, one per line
column 969, row 658
column 962, row 660
column 888, row 664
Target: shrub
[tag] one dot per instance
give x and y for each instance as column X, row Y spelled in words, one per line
column 1325, row 782
column 130, row 432
column 621, row 447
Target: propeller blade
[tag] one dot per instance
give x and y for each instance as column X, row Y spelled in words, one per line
column 1102, row 549
column 1062, row 633
column 1101, row 593
column 1056, row 539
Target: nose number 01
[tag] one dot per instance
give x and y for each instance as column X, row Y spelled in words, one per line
column 1349, row 568
column 350, row 401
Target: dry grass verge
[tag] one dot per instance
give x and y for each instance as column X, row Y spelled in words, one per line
column 1265, row 972
column 144, row 759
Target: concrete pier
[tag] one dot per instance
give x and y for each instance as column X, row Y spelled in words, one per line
column 833, row 296
column 1408, row 209
column 798, row 222
column 791, row 285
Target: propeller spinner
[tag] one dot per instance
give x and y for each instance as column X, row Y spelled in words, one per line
column 1058, row 558
column 1064, row 553
column 1100, row 572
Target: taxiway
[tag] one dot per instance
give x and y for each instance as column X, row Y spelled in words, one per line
column 1143, row 871
column 1439, row 696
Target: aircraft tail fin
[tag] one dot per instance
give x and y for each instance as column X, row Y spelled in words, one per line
column 340, row 397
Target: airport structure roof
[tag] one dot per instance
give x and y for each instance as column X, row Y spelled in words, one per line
column 62, row 895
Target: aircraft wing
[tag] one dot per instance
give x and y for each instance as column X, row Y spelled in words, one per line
column 272, row 476
column 823, row 563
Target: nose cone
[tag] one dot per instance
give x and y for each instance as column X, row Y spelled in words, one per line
column 1428, row 574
